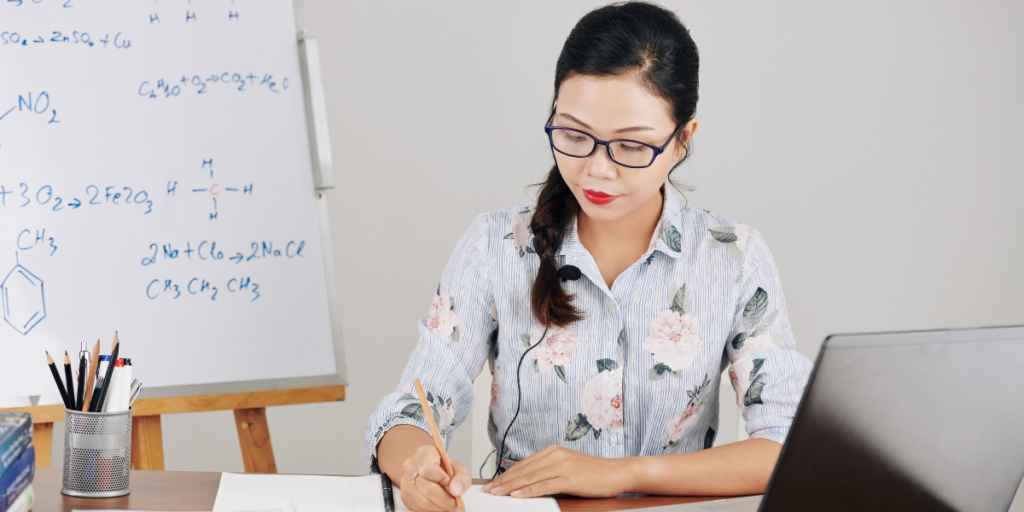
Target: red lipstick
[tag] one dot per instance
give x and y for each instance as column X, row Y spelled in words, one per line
column 598, row 198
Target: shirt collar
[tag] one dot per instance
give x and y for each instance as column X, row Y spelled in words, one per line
column 666, row 236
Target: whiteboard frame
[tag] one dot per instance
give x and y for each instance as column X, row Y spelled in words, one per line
column 320, row 158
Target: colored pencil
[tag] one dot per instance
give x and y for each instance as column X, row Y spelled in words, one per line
column 437, row 438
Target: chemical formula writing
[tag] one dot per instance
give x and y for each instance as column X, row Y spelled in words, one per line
column 196, row 84
column 78, row 38
column 201, row 288
column 25, row 195
column 41, row 106
column 214, row 190
column 207, row 250
column 28, row 240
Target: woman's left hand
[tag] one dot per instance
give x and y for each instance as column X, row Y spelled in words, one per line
column 558, row 470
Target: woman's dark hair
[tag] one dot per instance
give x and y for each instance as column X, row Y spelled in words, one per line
column 631, row 38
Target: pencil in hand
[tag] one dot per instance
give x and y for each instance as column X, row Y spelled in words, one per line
column 56, row 377
column 445, row 461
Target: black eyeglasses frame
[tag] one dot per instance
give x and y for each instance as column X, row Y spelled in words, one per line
column 606, row 143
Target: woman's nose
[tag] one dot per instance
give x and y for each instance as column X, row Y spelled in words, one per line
column 599, row 165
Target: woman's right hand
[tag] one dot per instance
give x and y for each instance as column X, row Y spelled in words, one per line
column 434, row 490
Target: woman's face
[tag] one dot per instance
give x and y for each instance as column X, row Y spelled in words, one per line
column 616, row 107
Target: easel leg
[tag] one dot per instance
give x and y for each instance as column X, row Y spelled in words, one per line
column 42, row 438
column 254, row 437
column 147, row 443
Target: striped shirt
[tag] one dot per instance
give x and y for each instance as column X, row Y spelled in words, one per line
column 639, row 375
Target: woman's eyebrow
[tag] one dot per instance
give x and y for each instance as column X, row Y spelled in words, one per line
column 572, row 118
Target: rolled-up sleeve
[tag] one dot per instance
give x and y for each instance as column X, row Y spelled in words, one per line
column 766, row 371
column 452, row 346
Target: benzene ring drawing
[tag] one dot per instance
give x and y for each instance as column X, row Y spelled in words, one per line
column 23, row 300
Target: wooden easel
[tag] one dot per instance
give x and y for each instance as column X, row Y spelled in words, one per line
column 147, row 438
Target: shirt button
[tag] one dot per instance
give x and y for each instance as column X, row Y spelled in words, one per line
column 613, row 308
column 613, row 440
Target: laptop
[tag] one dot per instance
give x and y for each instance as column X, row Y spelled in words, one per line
column 929, row 420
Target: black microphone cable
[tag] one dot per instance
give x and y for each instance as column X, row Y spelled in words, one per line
column 566, row 273
column 519, row 402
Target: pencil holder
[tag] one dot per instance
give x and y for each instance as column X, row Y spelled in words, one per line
column 97, row 453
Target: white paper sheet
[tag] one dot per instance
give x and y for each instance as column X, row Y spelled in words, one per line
column 344, row 494
column 478, row 501
column 308, row 493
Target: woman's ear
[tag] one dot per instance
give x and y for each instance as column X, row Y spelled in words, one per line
column 685, row 136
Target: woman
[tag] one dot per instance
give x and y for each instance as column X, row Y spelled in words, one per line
column 607, row 311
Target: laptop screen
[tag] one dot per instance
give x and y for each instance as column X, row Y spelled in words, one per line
column 913, row 421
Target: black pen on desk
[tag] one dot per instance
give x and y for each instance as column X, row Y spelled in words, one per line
column 56, row 377
column 83, row 363
column 70, row 380
column 110, row 373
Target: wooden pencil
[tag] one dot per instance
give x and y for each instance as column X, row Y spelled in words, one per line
column 56, row 377
column 437, row 438
column 90, row 381
column 70, row 380
column 106, row 378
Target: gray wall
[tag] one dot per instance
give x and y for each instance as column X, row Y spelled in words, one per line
column 872, row 143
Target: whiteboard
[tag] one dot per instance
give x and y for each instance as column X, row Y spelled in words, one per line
column 155, row 179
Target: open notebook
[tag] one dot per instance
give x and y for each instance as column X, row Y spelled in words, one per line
column 240, row 492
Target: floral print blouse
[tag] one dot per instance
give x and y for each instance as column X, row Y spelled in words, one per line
column 639, row 375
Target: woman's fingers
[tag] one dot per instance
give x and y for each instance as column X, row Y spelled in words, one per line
column 462, row 480
column 530, row 463
column 536, row 474
column 430, row 491
column 414, row 499
column 431, row 483
column 433, row 473
column 435, row 493
column 551, row 486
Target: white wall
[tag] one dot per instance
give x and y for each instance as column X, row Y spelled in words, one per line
column 872, row 143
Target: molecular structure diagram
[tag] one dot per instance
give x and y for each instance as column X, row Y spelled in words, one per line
column 23, row 299
column 214, row 190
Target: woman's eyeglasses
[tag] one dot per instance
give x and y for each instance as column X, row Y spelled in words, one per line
column 625, row 152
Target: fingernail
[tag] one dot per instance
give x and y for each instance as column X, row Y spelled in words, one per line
column 496, row 490
column 457, row 488
column 517, row 492
column 488, row 486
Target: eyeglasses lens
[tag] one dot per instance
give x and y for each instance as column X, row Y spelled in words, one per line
column 631, row 153
column 572, row 143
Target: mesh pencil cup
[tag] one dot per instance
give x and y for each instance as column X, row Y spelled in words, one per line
column 97, row 453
